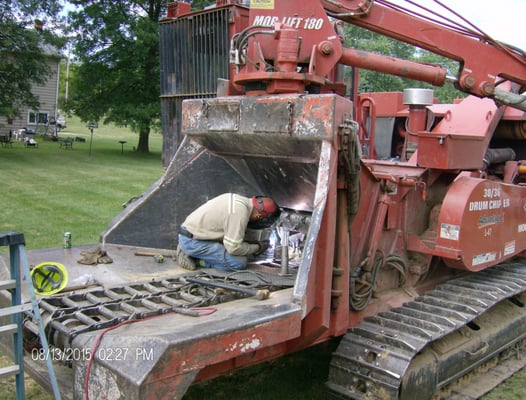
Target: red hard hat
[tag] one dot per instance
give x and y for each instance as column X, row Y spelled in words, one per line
column 265, row 205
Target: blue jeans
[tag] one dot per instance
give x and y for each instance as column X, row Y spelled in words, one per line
column 212, row 253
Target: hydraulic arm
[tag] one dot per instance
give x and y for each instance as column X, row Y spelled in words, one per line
column 484, row 63
column 309, row 47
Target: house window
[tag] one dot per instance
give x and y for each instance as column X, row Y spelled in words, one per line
column 37, row 117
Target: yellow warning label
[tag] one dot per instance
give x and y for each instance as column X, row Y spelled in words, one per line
column 262, row 4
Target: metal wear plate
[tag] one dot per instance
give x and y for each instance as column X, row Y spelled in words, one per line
column 223, row 117
column 273, row 117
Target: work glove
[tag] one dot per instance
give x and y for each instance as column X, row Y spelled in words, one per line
column 263, row 246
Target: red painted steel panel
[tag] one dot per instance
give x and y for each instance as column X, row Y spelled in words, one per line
column 484, row 220
column 460, row 139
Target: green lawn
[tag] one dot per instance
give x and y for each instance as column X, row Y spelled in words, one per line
column 49, row 190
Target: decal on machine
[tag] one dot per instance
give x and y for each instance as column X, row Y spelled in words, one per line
column 262, row 4
column 492, row 200
column 295, row 22
column 521, row 228
column 448, row 231
column 484, row 258
column 485, row 205
column 509, row 248
column 489, row 220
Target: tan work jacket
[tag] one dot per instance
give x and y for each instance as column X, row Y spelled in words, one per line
column 223, row 218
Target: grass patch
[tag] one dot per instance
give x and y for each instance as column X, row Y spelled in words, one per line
column 298, row 376
column 50, row 190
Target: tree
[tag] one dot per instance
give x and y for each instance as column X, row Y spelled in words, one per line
column 117, row 77
column 201, row 4
column 27, row 35
column 370, row 81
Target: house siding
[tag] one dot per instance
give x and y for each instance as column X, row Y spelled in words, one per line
column 48, row 97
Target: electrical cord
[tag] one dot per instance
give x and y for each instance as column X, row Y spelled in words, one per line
column 363, row 282
column 205, row 311
column 398, row 263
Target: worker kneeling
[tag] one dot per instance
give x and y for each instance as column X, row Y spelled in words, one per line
column 212, row 236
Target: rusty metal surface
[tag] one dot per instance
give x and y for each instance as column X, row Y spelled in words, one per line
column 202, row 59
column 193, row 177
column 309, row 117
column 161, row 354
column 274, row 142
column 171, row 346
column 458, row 142
column 234, row 148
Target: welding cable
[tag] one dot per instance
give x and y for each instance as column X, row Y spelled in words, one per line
column 360, row 297
column 206, row 311
column 398, row 263
column 253, row 280
column 258, row 278
column 199, row 291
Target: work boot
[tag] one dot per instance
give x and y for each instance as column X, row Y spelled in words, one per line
column 184, row 260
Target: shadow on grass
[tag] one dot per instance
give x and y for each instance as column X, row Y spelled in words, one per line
column 298, row 376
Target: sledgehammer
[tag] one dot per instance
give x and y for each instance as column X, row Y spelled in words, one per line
column 260, row 294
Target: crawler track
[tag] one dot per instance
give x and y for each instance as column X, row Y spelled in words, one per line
column 426, row 345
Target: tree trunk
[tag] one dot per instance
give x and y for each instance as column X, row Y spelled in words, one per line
column 144, row 135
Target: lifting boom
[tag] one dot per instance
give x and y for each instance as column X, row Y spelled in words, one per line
column 305, row 36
